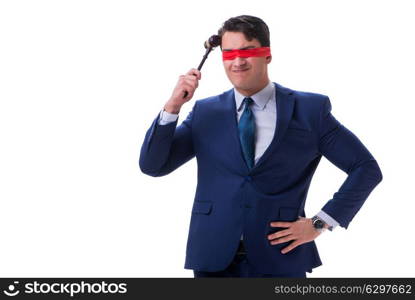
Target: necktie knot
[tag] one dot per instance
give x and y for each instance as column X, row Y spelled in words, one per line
column 248, row 101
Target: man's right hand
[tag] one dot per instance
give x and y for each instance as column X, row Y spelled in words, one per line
column 187, row 83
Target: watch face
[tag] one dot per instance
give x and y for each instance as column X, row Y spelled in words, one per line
column 318, row 224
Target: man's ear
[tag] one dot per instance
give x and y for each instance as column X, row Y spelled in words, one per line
column 268, row 59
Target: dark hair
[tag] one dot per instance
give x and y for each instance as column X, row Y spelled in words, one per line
column 252, row 27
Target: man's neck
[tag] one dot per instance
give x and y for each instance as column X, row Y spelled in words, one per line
column 248, row 93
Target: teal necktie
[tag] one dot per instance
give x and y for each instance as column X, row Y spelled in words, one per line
column 246, row 128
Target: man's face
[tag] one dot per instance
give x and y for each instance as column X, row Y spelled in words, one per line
column 248, row 75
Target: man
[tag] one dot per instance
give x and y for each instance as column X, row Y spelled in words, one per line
column 257, row 148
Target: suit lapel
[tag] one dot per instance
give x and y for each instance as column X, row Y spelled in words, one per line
column 231, row 129
column 285, row 107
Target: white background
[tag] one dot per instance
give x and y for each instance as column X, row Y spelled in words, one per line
column 81, row 82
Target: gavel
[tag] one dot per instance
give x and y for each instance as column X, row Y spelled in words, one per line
column 210, row 44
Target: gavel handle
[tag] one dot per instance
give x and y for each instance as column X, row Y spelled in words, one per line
column 200, row 65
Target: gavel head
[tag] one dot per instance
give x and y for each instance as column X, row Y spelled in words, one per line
column 213, row 42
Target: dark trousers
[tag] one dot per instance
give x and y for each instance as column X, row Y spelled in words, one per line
column 240, row 267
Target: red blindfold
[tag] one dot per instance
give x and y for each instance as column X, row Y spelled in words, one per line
column 256, row 52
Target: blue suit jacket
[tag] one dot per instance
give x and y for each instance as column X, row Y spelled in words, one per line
column 231, row 199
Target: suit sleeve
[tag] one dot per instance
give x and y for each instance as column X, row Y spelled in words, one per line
column 342, row 148
column 165, row 147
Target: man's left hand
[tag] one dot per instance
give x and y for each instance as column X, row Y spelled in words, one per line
column 300, row 232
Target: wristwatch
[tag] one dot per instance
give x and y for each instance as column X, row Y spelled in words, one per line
column 319, row 224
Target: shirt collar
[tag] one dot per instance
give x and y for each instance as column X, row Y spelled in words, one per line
column 260, row 98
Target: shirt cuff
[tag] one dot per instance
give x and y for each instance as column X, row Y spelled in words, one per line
column 327, row 219
column 167, row 118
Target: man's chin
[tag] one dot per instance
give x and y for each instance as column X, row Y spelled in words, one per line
column 240, row 84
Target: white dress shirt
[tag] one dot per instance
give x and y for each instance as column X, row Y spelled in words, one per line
column 265, row 113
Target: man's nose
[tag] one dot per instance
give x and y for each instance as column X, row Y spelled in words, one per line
column 239, row 61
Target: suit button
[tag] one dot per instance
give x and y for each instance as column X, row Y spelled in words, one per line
column 248, row 178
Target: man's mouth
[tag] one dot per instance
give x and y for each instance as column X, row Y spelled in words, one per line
column 240, row 71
